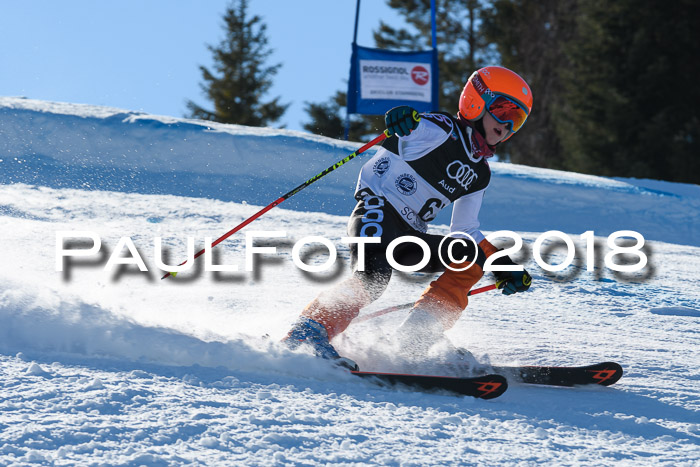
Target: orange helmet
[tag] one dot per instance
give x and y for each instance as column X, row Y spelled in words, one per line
column 501, row 92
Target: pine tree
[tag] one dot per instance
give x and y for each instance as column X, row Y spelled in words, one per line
column 531, row 37
column 634, row 102
column 328, row 119
column 241, row 78
column 613, row 84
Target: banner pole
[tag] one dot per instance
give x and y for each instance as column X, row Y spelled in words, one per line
column 346, row 135
column 435, row 93
column 433, row 23
column 357, row 21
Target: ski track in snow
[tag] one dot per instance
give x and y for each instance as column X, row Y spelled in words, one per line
column 126, row 369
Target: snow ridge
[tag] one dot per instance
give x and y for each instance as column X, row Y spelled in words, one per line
column 87, row 147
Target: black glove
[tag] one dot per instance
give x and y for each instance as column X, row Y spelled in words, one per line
column 401, row 120
column 511, row 281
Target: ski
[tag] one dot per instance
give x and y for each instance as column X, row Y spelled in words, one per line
column 484, row 387
column 603, row 374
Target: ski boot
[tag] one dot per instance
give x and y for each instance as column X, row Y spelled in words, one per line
column 462, row 362
column 422, row 336
column 419, row 332
column 308, row 332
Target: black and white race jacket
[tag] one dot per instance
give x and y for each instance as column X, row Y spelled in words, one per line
column 442, row 161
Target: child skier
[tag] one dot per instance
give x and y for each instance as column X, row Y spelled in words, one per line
column 433, row 160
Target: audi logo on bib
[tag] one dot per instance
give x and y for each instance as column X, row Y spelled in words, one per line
column 461, row 172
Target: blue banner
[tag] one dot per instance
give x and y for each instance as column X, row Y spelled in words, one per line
column 382, row 79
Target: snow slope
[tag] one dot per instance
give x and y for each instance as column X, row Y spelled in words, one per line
column 86, row 147
column 121, row 368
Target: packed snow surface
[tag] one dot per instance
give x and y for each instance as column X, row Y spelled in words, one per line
column 118, row 367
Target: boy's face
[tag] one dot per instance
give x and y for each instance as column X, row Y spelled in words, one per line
column 494, row 132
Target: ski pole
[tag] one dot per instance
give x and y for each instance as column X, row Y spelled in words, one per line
column 288, row 195
column 394, row 308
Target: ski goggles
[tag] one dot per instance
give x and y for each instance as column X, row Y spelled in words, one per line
column 505, row 110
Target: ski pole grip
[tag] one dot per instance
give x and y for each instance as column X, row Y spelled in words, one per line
column 416, row 117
